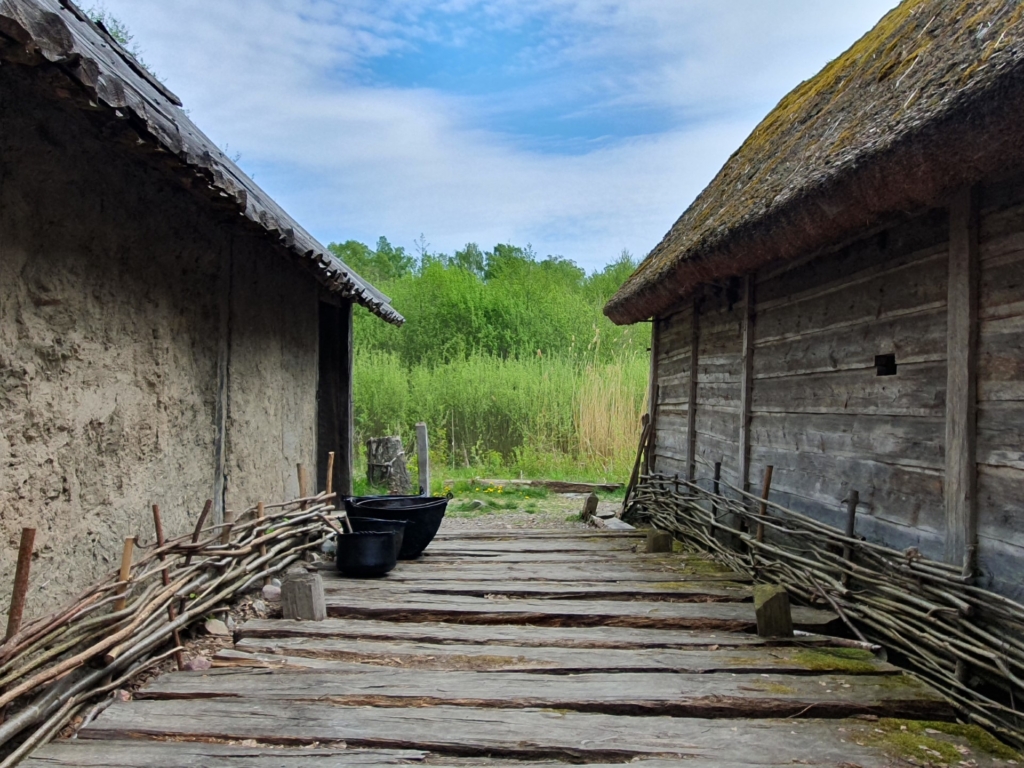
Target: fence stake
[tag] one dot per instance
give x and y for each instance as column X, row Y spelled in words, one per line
column 764, row 501
column 126, row 569
column 330, row 472
column 14, row 615
column 714, row 506
column 171, row 613
column 423, row 457
column 260, row 514
column 303, row 483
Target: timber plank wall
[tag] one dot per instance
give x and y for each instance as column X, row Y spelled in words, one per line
column 790, row 380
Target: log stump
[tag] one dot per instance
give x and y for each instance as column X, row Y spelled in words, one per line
column 385, row 464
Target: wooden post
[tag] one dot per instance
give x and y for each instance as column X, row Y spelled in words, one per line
column 691, row 397
column 302, row 597
column 126, row 570
column 589, row 507
column 330, row 473
column 746, row 383
column 961, row 382
column 423, row 457
column 346, row 449
column 166, row 576
column 851, row 530
column 229, row 523
column 763, row 511
column 21, row 575
column 716, row 488
column 260, row 515
column 303, row 478
column 774, row 615
column 659, row 541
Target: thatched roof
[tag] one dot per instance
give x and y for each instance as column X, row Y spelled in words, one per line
column 929, row 100
column 84, row 65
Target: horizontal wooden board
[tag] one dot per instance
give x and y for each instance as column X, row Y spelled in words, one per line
column 526, row 636
column 910, row 288
column 686, row 591
column 136, row 753
column 905, row 243
column 334, row 653
column 737, row 617
column 466, row 731
column 1001, row 359
column 1001, row 283
column 1000, row 501
column 626, row 693
column 914, row 338
column 917, row 390
column 1001, row 434
column 584, row 572
column 596, row 543
column 567, row 534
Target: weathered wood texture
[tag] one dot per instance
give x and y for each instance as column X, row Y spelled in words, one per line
column 1000, row 385
column 468, row 731
column 512, row 690
column 342, row 654
column 626, row 693
column 302, row 597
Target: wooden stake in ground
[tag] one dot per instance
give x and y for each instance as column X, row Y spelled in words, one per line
column 330, row 472
column 423, row 458
column 300, row 471
column 260, row 514
column 774, row 615
column 21, row 574
column 126, row 569
column 171, row 613
column 851, row 529
column 302, row 597
column 764, row 501
column 659, row 541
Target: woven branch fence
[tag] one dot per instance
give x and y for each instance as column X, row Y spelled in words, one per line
column 59, row 667
column 967, row 641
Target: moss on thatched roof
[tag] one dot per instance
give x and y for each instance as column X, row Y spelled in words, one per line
column 928, row 100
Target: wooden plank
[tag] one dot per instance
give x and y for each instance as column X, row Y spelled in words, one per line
column 652, row 399
column 1000, row 435
column 569, row 534
column 137, row 753
column 467, row 731
column 525, row 636
column 687, row 591
column 961, row 387
column 746, row 382
column 691, row 391
column 343, row 653
column 593, row 543
column 1001, row 359
column 346, row 450
column 627, row 693
column 583, row 572
column 737, row 617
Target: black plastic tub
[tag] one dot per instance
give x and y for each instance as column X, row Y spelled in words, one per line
column 424, row 515
column 371, row 524
column 366, row 555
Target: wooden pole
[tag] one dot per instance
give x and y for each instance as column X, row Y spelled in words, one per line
column 716, row 485
column 851, row 529
column 746, row 384
column 691, row 392
column 300, row 471
column 423, row 457
column 229, row 523
column 261, row 514
column 330, row 473
column 763, row 511
column 21, row 574
column 126, row 570
column 171, row 613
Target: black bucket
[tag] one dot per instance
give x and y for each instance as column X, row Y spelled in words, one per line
column 423, row 513
column 365, row 555
column 370, row 524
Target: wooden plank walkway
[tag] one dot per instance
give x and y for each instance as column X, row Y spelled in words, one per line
column 554, row 647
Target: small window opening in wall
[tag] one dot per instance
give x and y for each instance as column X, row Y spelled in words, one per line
column 885, row 365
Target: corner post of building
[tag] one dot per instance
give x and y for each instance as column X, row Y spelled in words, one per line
column 346, row 448
column 746, row 382
column 961, row 382
column 691, row 395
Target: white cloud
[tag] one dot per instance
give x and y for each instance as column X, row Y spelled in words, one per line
column 283, row 81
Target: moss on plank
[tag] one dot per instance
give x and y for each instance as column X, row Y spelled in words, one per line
column 933, row 742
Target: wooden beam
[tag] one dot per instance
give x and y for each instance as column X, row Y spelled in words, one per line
column 746, row 382
column 961, row 382
column 691, row 397
column 346, row 448
column 220, row 418
column 423, row 457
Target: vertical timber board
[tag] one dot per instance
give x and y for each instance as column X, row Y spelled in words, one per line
column 691, row 401
column 652, row 398
column 344, row 466
column 961, row 387
column 220, row 442
column 746, row 382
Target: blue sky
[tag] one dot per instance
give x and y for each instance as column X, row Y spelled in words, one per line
column 580, row 126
